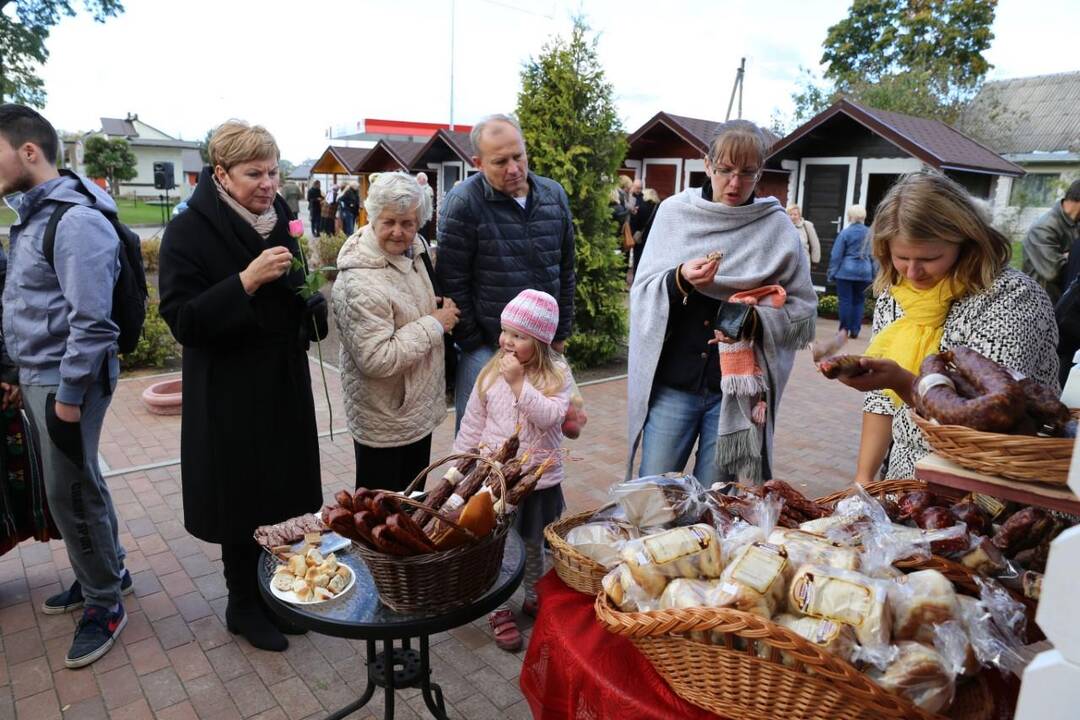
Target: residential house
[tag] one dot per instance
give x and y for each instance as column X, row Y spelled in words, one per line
column 1033, row 122
column 151, row 145
column 851, row 154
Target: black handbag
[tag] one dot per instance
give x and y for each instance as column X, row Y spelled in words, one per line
column 450, row 358
column 734, row 319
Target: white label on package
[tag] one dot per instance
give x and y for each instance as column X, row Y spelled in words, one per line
column 832, row 598
column 759, row 566
column 671, row 545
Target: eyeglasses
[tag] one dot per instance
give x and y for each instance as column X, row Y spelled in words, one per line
column 739, row 176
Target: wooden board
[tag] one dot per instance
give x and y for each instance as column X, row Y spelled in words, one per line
column 941, row 473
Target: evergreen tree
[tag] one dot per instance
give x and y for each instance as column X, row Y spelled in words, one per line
column 573, row 135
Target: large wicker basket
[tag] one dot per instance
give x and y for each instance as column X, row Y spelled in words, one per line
column 439, row 580
column 747, row 678
column 1017, row 457
column 575, row 569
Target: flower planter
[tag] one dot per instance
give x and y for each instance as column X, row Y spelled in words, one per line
column 163, row 398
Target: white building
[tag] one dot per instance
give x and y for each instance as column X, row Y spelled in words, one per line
column 151, row 145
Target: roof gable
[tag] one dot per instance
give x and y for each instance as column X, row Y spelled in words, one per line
column 339, row 160
column 118, row 127
column 932, row 141
column 459, row 143
column 695, row 131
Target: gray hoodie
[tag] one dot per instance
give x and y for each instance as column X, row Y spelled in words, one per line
column 57, row 323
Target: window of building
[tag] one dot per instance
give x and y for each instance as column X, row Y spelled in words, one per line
column 1035, row 190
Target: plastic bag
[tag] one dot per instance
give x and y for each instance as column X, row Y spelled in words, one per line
column 601, row 541
column 920, row 674
column 950, row 639
column 996, row 625
column 805, row 548
column 576, row 418
column 660, row 500
column 625, row 591
column 686, row 552
column 755, row 582
column 918, row 601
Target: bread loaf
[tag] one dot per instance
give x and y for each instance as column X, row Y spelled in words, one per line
column 754, row 581
column 687, row 552
column 920, row 674
column 918, row 601
column 600, row 541
column 844, row 596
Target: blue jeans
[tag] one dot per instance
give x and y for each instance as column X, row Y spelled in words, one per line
column 852, row 297
column 470, row 363
column 677, row 420
column 348, row 223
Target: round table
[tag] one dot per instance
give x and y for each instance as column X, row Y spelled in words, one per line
column 359, row 614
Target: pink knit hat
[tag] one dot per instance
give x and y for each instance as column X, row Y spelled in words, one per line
column 534, row 313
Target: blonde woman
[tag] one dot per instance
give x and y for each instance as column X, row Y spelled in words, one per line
column 852, row 269
column 944, row 280
column 807, row 233
column 249, row 448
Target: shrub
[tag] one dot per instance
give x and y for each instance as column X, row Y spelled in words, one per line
column 327, row 248
column 829, row 306
column 156, row 345
column 151, row 249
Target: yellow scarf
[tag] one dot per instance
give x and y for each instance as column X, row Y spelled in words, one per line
column 917, row 334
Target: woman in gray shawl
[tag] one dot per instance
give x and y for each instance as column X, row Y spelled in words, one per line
column 718, row 259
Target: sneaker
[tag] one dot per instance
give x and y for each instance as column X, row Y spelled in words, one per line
column 95, row 636
column 72, row 598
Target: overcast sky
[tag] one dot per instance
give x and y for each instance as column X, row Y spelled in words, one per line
column 299, row 70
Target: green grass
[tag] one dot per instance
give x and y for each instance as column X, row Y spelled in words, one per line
column 131, row 213
column 1016, row 256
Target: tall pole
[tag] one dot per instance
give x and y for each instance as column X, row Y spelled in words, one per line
column 452, row 13
column 736, row 88
column 742, row 73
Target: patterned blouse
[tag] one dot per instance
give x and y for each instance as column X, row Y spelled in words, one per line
column 1012, row 323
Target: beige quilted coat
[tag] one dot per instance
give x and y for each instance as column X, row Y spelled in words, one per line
column 391, row 346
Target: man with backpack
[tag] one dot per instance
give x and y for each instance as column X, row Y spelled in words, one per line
column 67, row 262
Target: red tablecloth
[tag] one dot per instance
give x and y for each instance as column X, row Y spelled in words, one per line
column 576, row 670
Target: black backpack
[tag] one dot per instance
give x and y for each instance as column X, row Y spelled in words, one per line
column 130, row 294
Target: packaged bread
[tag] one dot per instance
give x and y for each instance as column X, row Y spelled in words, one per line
column 686, row 593
column 625, row 591
column 600, row 541
column 918, row 601
column 920, row 674
column 843, row 596
column 660, row 500
column 754, row 581
column 805, row 548
column 686, row 552
column 835, row 637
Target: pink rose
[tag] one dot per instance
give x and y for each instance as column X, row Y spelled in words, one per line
column 296, row 228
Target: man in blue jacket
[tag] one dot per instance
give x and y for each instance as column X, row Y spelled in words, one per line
column 59, row 332
column 502, row 231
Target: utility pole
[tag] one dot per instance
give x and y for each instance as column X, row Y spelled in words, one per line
column 737, row 87
column 452, row 14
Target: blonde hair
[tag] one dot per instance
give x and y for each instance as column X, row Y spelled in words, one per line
column 651, row 195
column 542, row 370
column 625, row 183
column 740, row 143
column 925, row 207
column 235, row 141
column 856, row 213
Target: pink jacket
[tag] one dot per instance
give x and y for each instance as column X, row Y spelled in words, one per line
column 492, row 420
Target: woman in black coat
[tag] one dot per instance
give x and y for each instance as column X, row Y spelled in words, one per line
column 249, row 445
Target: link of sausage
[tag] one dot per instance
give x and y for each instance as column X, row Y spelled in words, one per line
column 998, row 406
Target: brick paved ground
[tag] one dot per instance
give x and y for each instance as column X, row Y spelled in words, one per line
column 176, row 661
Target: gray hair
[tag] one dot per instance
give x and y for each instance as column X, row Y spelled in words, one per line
column 478, row 128
column 397, row 192
column 857, row 213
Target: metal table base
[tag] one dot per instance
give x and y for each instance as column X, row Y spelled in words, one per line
column 415, row 671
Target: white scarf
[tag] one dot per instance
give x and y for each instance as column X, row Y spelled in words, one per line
column 263, row 224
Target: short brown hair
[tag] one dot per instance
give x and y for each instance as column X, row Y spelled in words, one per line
column 739, row 142
column 927, row 207
column 235, row 141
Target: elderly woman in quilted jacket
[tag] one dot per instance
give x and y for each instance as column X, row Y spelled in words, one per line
column 392, row 327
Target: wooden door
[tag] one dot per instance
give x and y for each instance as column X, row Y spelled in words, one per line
column 661, row 178
column 824, row 197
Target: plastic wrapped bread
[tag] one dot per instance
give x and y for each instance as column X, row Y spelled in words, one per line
column 919, row 601
column 844, row 596
column 685, row 552
column 600, row 541
column 686, row 593
column 920, row 674
column 623, row 590
column 835, row 637
column 754, row 581
column 659, row 500
column 805, row 548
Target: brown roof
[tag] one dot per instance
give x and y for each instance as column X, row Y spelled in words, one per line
column 932, row 141
column 1027, row 115
column 458, row 142
column 118, row 127
column 348, row 158
column 695, row 131
column 404, row 151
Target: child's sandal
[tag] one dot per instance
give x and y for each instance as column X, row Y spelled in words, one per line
column 507, row 635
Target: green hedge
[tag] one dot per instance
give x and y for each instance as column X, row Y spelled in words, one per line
column 156, row 347
column 829, row 306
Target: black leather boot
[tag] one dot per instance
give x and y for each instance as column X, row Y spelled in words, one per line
column 279, row 622
column 244, row 614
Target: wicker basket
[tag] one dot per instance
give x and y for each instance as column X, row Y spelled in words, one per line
column 1017, row 457
column 747, row 678
column 440, row 580
column 576, row 570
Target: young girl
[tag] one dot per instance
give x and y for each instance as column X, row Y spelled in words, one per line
column 524, row 385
